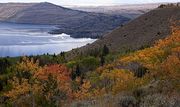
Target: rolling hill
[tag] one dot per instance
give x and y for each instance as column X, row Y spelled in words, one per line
column 138, row 33
column 74, row 22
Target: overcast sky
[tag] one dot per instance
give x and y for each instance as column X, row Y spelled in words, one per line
column 92, row 2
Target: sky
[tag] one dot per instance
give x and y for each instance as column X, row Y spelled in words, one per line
column 92, row 2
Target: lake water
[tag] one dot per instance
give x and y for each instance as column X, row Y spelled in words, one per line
column 25, row 39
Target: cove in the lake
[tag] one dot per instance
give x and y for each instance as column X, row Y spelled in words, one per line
column 26, row 39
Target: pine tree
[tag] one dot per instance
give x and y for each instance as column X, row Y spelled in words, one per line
column 78, row 72
column 105, row 50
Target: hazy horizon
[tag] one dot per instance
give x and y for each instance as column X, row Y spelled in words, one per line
column 91, row 2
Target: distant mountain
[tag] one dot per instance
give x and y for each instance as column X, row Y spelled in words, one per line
column 74, row 22
column 131, row 11
column 138, row 33
column 46, row 13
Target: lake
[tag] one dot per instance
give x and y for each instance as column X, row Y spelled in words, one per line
column 27, row 39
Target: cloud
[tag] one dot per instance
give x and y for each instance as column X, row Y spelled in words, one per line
column 68, row 2
column 87, row 2
column 143, row 1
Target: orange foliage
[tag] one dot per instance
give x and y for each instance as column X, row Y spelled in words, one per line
column 170, row 68
column 60, row 73
column 173, row 39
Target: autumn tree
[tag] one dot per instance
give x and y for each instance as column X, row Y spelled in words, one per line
column 23, row 82
column 56, row 81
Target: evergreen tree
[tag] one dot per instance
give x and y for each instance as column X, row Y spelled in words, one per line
column 54, row 55
column 105, row 50
column 78, row 72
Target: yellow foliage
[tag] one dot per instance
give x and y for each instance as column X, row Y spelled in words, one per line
column 21, row 88
column 84, row 91
column 119, row 79
column 148, row 57
column 21, row 85
column 28, row 65
column 151, row 55
column 162, row 61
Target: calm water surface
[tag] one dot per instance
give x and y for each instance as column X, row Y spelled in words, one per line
column 25, row 39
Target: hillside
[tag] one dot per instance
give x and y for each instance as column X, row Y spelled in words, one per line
column 144, row 78
column 139, row 33
column 73, row 22
column 8, row 10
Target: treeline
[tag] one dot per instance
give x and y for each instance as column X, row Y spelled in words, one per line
column 169, row 5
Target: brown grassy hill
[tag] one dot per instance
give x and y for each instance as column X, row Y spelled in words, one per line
column 138, row 33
